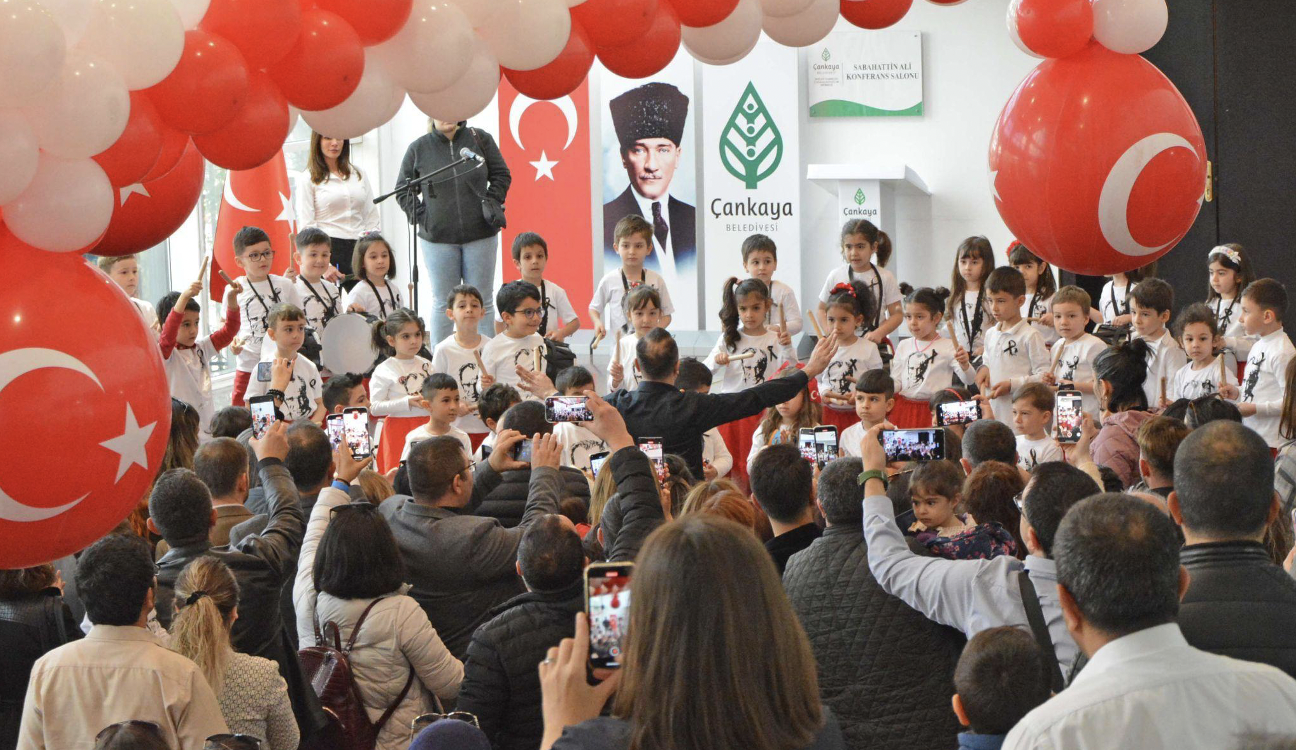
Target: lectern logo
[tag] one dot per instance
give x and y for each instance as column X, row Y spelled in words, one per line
column 859, row 196
column 826, row 55
column 751, row 146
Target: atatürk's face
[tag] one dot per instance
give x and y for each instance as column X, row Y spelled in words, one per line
column 650, row 164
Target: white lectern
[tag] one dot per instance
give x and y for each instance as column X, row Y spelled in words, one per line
column 889, row 194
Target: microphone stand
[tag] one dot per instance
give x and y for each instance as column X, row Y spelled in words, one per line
column 414, row 188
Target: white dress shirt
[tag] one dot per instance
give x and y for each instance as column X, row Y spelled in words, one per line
column 1017, row 355
column 342, row 208
column 666, row 254
column 1150, row 690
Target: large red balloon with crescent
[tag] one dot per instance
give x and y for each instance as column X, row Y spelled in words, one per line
column 87, row 415
column 148, row 212
column 1097, row 163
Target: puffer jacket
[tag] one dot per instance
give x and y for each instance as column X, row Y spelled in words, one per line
column 507, row 501
column 885, row 670
column 501, row 685
column 1239, row 604
column 454, row 216
column 634, row 510
column 1115, row 446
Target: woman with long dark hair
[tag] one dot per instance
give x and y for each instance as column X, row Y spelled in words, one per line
column 1119, row 373
column 334, row 196
column 33, row 621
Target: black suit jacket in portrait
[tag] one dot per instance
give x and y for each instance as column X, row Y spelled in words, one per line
column 683, row 231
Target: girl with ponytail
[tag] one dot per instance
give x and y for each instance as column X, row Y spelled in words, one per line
column 924, row 365
column 1119, row 373
column 968, row 307
column 848, row 307
column 253, row 697
column 1040, row 288
column 397, row 383
column 866, row 249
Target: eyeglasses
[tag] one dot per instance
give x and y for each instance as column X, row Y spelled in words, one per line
column 530, row 312
column 471, row 465
column 233, row 742
column 1019, row 499
column 111, row 730
column 259, row 256
column 423, row 721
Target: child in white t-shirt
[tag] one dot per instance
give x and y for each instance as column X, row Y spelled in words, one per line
column 1150, row 303
column 374, row 264
column 124, row 271
column 262, row 291
column 1040, row 287
column 874, row 397
column 1072, row 358
column 1205, row 371
column 633, row 237
column 439, row 399
column 862, row 244
column 643, row 307
column 396, row 387
column 519, row 345
column 458, row 354
column 848, row 307
column 1032, row 416
column 760, row 259
column 969, row 305
column 1264, row 382
column 320, row 298
column 531, row 256
column 301, row 398
column 1014, row 351
column 579, row 442
column 187, row 358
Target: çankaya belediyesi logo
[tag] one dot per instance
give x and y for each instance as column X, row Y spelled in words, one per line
column 826, row 55
column 859, row 196
column 751, row 146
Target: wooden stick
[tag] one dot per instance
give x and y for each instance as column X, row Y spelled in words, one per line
column 616, row 351
column 598, row 339
column 1057, row 354
column 225, row 276
column 814, row 318
column 1222, row 377
column 202, row 269
column 741, row 357
column 782, row 319
column 1163, row 387
column 949, row 326
column 481, row 366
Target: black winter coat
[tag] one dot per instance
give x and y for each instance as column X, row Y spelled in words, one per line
column 634, row 510
column 1239, row 604
column 454, row 216
column 501, row 685
column 507, row 502
column 30, row 627
column 886, row 671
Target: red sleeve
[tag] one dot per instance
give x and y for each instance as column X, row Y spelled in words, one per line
column 169, row 330
column 222, row 338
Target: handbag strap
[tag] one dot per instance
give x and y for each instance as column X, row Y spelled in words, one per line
column 1039, row 628
column 356, row 630
column 409, row 682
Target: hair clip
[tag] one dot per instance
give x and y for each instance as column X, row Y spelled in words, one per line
column 843, row 287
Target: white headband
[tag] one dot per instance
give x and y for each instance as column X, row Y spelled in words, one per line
column 1227, row 252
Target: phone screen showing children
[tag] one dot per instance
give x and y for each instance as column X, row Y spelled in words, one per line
column 609, row 612
column 356, row 429
column 569, row 409
column 912, row 445
column 960, row 412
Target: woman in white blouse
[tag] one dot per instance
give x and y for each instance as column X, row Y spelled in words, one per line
column 333, row 195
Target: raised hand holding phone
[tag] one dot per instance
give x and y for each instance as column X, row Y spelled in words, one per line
column 607, row 424
column 501, row 459
column 274, row 444
column 567, row 697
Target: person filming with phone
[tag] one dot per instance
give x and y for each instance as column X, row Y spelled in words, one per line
column 507, row 501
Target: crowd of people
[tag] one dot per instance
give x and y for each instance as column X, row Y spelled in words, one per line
column 987, row 577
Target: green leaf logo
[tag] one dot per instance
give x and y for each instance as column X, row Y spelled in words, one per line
column 751, row 146
column 826, row 55
column 859, row 196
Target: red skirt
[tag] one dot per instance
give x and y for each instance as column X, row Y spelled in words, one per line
column 476, row 438
column 908, row 414
column 737, row 436
column 840, row 419
column 393, row 440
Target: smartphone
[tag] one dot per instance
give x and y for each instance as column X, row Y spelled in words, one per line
column 806, row 441
column 355, row 422
column 522, row 451
column 334, row 427
column 607, row 603
column 263, row 373
column 825, row 438
column 264, row 414
column 597, row 460
column 913, row 445
column 1068, row 412
column 652, row 447
column 567, row 409
column 958, row 412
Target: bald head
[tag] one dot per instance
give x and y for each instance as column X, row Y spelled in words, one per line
column 658, row 355
column 1224, row 481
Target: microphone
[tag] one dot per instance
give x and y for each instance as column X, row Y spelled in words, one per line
column 466, row 153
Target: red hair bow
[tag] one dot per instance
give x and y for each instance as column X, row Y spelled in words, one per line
column 843, row 287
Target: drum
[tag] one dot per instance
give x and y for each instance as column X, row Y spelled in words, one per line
column 346, row 344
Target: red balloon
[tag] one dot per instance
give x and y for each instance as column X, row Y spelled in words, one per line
column 648, row 54
column 563, row 75
column 375, row 21
column 147, row 213
column 702, row 12
column 100, row 396
column 263, row 30
column 174, row 144
column 207, row 87
column 874, row 14
column 138, row 147
column 1053, row 28
column 325, row 65
column 1097, row 163
column 611, row 23
column 255, row 135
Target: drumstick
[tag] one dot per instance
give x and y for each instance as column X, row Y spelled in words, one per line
column 949, row 328
column 741, row 357
column 1163, row 387
column 202, row 269
column 598, row 339
column 1057, row 354
column 481, row 366
column 1222, row 377
column 411, row 293
column 228, row 281
column 616, row 351
column 815, row 320
column 782, row 318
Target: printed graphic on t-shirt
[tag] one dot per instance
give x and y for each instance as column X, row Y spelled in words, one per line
column 1067, row 367
column 1196, row 388
column 1010, row 347
column 413, row 382
column 1253, row 377
column 916, row 366
column 299, row 396
column 1030, row 460
column 841, row 374
column 755, row 369
column 586, row 447
column 468, row 382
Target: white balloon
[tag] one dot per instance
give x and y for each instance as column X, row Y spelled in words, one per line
column 142, row 39
column 19, row 153
column 723, row 60
column 728, row 40
column 363, row 111
column 32, row 51
column 84, row 110
column 528, row 34
column 467, row 96
column 1013, row 34
column 805, row 28
column 785, row 8
column 67, row 205
column 294, row 115
column 1130, row 27
column 432, row 50
column 72, row 15
column 481, row 13
column 191, row 11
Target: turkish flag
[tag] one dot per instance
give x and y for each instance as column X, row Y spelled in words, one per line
column 547, row 147
column 260, row 197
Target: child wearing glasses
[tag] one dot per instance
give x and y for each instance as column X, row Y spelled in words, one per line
column 262, row 291
column 519, row 345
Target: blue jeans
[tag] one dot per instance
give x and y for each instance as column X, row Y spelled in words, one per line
column 471, row 263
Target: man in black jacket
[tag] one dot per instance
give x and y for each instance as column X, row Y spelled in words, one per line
column 885, row 670
column 1238, row 602
column 501, row 686
column 507, row 501
column 782, row 483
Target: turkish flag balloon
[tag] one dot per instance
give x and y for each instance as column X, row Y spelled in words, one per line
column 257, row 132
column 375, row 21
column 611, row 23
column 100, row 396
column 147, row 213
column 1097, row 164
column 206, row 89
column 325, row 65
column 563, row 75
column 1051, row 28
column 263, row 30
column 702, row 12
column 874, row 14
column 174, row 144
column 648, row 54
column 137, row 148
